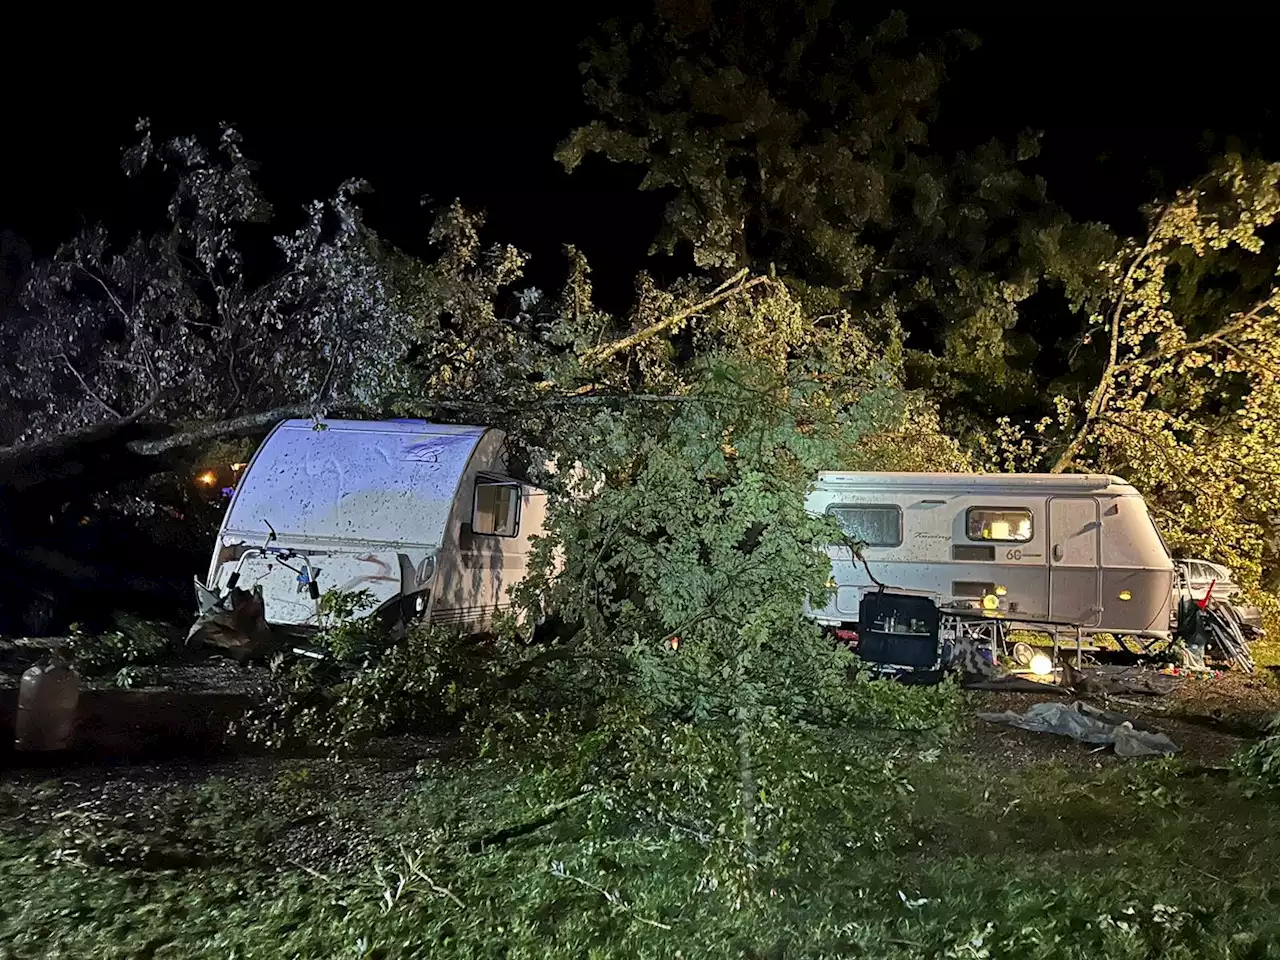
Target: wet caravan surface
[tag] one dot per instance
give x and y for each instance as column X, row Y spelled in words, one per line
column 1072, row 549
column 420, row 515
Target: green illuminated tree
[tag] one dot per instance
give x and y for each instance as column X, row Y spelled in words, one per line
column 1176, row 382
column 790, row 142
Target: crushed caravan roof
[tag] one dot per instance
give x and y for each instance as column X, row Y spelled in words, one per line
column 383, row 482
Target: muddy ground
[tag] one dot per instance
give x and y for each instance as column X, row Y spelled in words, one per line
column 193, row 671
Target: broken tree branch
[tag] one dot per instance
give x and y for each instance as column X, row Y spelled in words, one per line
column 548, row 815
column 1218, row 336
column 734, row 285
column 1102, row 391
column 89, row 391
column 235, row 426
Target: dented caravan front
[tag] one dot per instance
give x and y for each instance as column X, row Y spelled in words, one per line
column 377, row 507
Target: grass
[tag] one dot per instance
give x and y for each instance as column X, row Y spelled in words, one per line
column 970, row 857
column 1266, row 652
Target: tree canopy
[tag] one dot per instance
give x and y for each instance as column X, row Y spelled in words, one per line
column 790, row 142
column 793, row 142
column 202, row 320
column 835, row 251
column 1184, row 399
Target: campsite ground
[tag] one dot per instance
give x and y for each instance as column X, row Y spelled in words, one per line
column 1000, row 843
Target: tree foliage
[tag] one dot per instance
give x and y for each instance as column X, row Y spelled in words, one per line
column 1184, row 399
column 787, row 140
column 191, row 323
column 465, row 347
column 1172, row 382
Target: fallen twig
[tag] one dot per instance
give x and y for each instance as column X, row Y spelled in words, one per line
column 547, row 816
column 311, row 870
column 558, row 870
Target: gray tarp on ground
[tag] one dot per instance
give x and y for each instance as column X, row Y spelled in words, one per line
column 1088, row 725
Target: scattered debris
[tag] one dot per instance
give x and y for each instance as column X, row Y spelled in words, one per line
column 1215, row 627
column 972, row 660
column 1087, row 724
column 1106, row 682
column 1014, row 683
column 235, row 623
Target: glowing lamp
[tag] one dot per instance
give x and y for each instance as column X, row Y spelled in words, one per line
column 990, row 602
column 1041, row 665
column 1001, row 591
column 1126, row 595
column 208, row 478
column 237, row 467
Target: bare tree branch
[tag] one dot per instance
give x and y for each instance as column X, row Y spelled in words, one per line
column 89, row 391
column 235, row 426
column 723, row 292
column 124, row 314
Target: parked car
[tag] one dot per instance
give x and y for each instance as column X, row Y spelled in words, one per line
column 1195, row 577
column 1198, row 575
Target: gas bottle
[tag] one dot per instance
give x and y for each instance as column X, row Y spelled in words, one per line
column 47, row 701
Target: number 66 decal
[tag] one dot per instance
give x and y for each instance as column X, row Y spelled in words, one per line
column 1013, row 555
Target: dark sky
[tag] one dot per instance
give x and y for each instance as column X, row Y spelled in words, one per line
column 474, row 108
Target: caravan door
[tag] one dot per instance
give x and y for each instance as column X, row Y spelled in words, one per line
column 1075, row 560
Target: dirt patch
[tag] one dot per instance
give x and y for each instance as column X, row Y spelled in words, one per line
column 1248, row 699
column 289, row 811
column 1197, row 741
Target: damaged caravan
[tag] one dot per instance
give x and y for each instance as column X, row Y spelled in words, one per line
column 425, row 518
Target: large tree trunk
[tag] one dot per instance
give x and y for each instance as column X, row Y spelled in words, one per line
column 94, row 458
column 99, row 457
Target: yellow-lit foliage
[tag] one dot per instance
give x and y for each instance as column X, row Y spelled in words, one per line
column 1187, row 406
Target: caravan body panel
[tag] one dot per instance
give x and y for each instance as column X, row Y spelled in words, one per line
column 1078, row 550
column 378, row 506
column 478, row 571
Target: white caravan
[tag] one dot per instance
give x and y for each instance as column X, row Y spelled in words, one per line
column 1058, row 550
column 424, row 517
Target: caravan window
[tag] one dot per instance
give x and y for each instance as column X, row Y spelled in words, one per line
column 1005, row 524
column 496, row 510
column 876, row 525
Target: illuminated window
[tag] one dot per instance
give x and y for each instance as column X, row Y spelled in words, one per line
column 878, row 525
column 497, row 509
column 1007, row 525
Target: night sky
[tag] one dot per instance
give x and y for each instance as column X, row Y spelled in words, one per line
column 1131, row 109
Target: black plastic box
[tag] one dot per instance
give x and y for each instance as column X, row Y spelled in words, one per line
column 899, row 629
